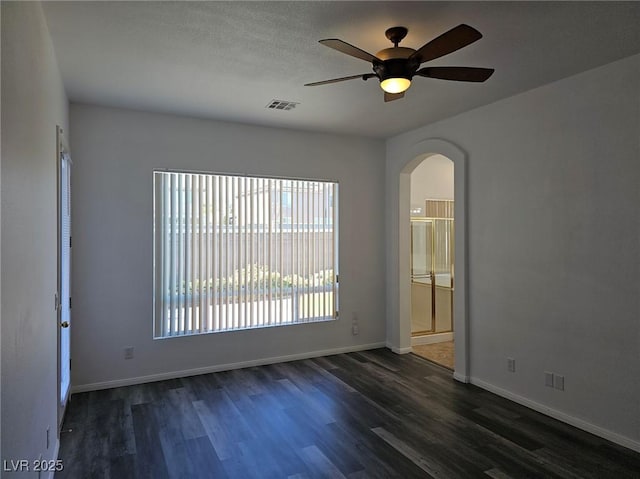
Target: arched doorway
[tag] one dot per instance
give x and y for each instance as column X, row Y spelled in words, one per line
column 400, row 297
column 432, row 227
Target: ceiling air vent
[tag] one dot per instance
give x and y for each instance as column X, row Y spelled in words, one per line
column 281, row 105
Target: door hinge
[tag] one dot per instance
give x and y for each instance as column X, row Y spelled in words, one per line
column 337, row 278
column 336, row 314
column 70, row 242
column 69, row 302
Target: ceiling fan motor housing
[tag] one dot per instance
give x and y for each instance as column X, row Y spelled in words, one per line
column 396, row 66
column 395, row 63
column 395, row 52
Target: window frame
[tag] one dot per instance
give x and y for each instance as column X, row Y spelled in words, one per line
column 238, row 228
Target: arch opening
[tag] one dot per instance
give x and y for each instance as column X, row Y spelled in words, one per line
column 432, row 256
column 435, row 149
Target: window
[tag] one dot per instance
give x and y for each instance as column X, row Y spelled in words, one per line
column 234, row 252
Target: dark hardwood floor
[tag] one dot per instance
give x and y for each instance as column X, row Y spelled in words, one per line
column 372, row 414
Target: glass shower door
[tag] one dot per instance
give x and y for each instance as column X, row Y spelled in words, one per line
column 432, row 259
column 422, row 297
column 443, row 274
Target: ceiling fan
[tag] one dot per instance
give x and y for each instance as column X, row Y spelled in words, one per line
column 396, row 66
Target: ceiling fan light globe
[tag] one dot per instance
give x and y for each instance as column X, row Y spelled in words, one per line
column 395, row 85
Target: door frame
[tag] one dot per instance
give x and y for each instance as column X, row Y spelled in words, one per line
column 61, row 149
column 411, row 156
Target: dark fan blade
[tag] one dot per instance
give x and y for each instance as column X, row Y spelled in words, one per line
column 448, row 42
column 456, row 73
column 349, row 49
column 392, row 96
column 364, row 76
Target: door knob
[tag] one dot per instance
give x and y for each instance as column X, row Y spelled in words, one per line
column 64, row 324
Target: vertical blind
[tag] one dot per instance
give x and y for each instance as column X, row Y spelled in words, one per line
column 234, row 252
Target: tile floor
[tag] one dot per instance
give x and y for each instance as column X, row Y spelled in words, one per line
column 440, row 353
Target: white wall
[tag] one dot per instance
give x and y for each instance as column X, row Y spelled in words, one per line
column 432, row 179
column 553, row 243
column 115, row 152
column 33, row 102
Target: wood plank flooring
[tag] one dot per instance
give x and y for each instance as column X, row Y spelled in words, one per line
column 371, row 414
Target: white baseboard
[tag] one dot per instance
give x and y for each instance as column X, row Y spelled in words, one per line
column 431, row 338
column 398, row 350
column 560, row 416
column 461, row 377
column 220, row 367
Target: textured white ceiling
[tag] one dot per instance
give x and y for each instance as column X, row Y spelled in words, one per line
column 228, row 60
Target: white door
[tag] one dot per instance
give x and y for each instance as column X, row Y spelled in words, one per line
column 64, row 276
